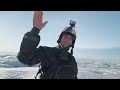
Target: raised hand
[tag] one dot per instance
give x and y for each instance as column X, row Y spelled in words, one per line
column 37, row 20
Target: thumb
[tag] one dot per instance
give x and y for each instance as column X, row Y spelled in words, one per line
column 45, row 23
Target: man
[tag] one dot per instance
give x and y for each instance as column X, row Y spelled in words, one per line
column 56, row 62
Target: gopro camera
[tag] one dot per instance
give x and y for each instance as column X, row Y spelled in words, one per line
column 72, row 23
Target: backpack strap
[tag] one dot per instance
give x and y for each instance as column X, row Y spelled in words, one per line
column 54, row 74
column 39, row 71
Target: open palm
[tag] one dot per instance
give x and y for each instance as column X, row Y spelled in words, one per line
column 37, row 20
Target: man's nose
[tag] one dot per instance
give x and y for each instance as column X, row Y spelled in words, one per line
column 68, row 39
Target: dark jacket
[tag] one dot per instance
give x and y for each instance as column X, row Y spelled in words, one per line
column 30, row 55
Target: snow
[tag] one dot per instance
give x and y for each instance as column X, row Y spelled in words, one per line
column 94, row 69
column 11, row 68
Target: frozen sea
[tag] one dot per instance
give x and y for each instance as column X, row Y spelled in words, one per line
column 92, row 64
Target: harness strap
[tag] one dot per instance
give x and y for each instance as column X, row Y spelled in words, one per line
column 39, row 71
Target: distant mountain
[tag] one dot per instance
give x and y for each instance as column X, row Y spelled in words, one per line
column 9, row 60
column 7, row 53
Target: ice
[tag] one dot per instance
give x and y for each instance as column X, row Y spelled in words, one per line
column 11, row 68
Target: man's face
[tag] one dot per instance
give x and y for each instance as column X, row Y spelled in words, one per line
column 66, row 40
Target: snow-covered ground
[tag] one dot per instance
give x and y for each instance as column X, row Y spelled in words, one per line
column 18, row 73
column 11, row 68
column 94, row 69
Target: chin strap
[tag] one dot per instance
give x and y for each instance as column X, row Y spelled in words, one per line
column 60, row 45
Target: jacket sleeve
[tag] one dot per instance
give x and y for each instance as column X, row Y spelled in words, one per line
column 29, row 54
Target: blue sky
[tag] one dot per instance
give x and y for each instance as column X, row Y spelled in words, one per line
column 95, row 29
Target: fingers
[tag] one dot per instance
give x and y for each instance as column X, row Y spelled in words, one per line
column 38, row 12
column 38, row 16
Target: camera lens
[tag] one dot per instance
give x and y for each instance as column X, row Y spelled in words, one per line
column 72, row 22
